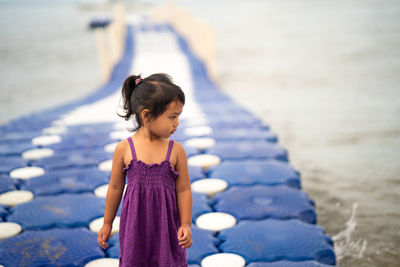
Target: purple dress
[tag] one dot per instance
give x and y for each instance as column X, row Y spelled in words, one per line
column 150, row 220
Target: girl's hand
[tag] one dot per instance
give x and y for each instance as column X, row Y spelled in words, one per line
column 185, row 241
column 103, row 235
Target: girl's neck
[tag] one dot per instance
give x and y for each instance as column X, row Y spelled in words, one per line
column 146, row 135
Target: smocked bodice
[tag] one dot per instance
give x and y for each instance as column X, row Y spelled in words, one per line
column 150, row 175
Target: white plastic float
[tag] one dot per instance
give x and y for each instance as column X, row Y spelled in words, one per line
column 120, row 134
column 26, row 172
column 200, row 142
column 9, row 229
column 198, row 131
column 56, row 129
column 45, row 140
column 104, row 262
column 105, row 165
column 111, row 147
column 15, row 197
column 215, row 221
column 209, row 186
column 38, row 153
column 223, row 260
column 204, row 160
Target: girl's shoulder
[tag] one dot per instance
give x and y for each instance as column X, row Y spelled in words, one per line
column 123, row 143
column 121, row 146
column 176, row 144
column 178, row 147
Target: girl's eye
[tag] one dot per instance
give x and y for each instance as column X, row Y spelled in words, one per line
column 174, row 116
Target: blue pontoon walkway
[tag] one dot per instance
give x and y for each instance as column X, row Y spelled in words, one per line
column 248, row 206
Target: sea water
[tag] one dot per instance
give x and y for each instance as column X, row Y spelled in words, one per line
column 47, row 55
column 325, row 75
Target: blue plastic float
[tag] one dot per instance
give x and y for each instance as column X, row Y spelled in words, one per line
column 71, row 180
column 7, row 164
column 248, row 150
column 6, row 183
column 251, row 172
column 77, row 141
column 235, row 134
column 113, row 249
column 3, row 212
column 260, row 202
column 205, row 244
column 53, row 247
column 14, row 149
column 12, row 138
column 272, row 240
column 196, row 173
column 65, row 210
column 201, row 205
column 77, row 158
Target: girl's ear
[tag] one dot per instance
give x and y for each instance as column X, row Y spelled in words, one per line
column 145, row 115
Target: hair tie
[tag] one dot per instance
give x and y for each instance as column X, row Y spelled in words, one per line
column 138, row 80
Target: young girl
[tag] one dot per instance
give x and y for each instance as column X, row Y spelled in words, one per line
column 156, row 212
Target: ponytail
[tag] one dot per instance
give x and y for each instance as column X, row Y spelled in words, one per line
column 128, row 87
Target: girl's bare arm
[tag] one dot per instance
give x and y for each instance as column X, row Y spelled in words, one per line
column 116, row 185
column 182, row 187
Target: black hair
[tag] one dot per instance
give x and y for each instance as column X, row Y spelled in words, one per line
column 154, row 93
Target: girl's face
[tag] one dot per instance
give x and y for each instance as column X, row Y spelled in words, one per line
column 167, row 123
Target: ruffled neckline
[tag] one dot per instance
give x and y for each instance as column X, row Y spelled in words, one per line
column 152, row 165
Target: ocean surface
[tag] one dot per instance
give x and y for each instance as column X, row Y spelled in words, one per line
column 48, row 55
column 325, row 75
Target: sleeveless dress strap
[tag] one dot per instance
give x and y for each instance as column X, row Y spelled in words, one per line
column 132, row 148
column 171, row 143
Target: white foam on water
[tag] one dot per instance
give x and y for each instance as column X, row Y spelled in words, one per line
column 344, row 245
